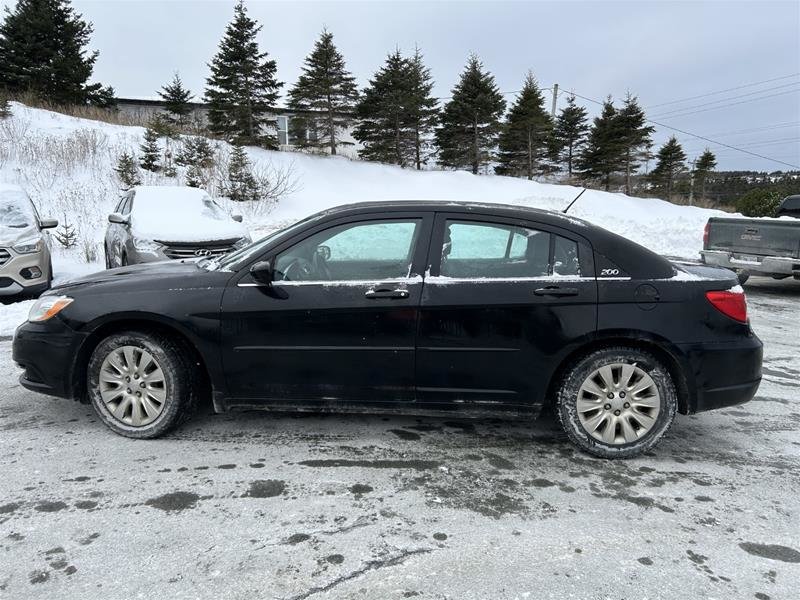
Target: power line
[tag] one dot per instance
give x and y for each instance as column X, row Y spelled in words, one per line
column 757, row 129
column 700, row 137
column 687, row 108
column 740, row 87
column 694, row 112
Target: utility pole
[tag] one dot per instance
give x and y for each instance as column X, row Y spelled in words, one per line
column 691, row 184
column 555, row 98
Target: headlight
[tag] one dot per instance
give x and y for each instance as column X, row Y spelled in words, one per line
column 29, row 246
column 48, row 307
column 145, row 245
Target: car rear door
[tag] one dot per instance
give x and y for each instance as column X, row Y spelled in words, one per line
column 339, row 321
column 505, row 300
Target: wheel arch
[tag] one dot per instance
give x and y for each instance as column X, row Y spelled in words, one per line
column 143, row 322
column 666, row 352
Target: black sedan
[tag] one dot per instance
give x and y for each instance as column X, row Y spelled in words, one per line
column 414, row 307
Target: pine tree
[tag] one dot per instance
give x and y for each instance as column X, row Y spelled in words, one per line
column 127, row 171
column 242, row 87
column 194, row 176
column 241, row 185
column 176, row 100
column 671, row 162
column 603, row 154
column 704, row 165
column 570, row 132
column 470, row 121
column 43, row 51
column 422, row 109
column 525, row 139
column 383, row 114
column 635, row 137
column 66, row 234
column 150, row 151
column 328, row 89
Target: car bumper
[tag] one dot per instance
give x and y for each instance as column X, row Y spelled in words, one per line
column 767, row 265
column 47, row 352
column 724, row 374
column 15, row 272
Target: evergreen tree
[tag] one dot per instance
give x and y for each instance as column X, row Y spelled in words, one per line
column 422, row 108
column 150, row 151
column 704, row 165
column 328, row 89
column 242, row 86
column 194, row 176
column 66, row 234
column 603, row 154
column 196, row 151
column 470, row 121
column 671, row 162
column 383, row 114
column 635, row 137
column 525, row 139
column 241, row 184
column 43, row 51
column 176, row 100
column 570, row 132
column 127, row 171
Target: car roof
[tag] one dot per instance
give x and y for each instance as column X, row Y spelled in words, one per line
column 636, row 260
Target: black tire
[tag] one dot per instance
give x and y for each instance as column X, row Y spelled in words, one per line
column 742, row 276
column 578, row 373
column 123, row 260
column 180, row 381
column 108, row 257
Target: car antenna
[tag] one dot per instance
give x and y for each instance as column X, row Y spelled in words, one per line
column 574, row 201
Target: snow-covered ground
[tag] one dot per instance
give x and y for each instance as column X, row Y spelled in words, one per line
column 66, row 165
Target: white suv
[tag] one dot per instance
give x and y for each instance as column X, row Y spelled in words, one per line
column 25, row 265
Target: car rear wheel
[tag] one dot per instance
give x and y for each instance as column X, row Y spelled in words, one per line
column 617, row 402
column 141, row 383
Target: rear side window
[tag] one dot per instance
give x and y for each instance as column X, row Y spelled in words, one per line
column 492, row 250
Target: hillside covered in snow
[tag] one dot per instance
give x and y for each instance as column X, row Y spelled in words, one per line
column 67, row 166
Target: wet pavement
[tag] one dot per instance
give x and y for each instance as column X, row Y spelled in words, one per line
column 255, row 505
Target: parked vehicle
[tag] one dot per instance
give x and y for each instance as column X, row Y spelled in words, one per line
column 756, row 246
column 25, row 265
column 153, row 223
column 418, row 307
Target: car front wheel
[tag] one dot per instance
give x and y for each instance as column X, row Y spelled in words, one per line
column 141, row 383
column 617, row 402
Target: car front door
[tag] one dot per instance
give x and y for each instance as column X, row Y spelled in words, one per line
column 338, row 322
column 504, row 300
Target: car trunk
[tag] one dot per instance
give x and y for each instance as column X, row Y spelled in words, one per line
column 756, row 237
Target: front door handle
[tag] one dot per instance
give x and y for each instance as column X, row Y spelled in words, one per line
column 554, row 290
column 386, row 292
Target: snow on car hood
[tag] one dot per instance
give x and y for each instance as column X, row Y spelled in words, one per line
column 181, row 214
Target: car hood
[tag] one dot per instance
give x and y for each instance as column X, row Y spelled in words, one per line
column 170, row 275
column 193, row 228
column 10, row 236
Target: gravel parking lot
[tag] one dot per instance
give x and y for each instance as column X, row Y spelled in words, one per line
column 253, row 505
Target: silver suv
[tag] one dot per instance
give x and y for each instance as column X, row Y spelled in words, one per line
column 25, row 264
column 153, row 223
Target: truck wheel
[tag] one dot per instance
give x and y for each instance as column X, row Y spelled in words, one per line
column 141, row 384
column 617, row 402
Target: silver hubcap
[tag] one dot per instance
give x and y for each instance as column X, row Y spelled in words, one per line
column 618, row 403
column 133, row 386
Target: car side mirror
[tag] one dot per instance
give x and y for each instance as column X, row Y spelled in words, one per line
column 237, row 218
column 262, row 272
column 117, row 219
column 48, row 223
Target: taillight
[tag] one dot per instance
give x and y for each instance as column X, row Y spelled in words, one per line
column 705, row 235
column 730, row 303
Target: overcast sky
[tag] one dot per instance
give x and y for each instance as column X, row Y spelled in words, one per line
column 661, row 51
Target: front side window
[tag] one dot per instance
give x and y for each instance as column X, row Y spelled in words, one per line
column 366, row 251
column 475, row 250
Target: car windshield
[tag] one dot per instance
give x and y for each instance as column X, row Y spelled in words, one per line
column 234, row 260
column 13, row 214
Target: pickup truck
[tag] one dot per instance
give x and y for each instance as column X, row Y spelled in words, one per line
column 762, row 246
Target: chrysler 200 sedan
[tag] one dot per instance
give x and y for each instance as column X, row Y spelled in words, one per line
column 418, row 307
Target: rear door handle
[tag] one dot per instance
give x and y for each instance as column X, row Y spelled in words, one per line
column 382, row 292
column 554, row 290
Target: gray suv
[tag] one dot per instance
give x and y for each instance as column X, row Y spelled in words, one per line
column 25, row 265
column 154, row 223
